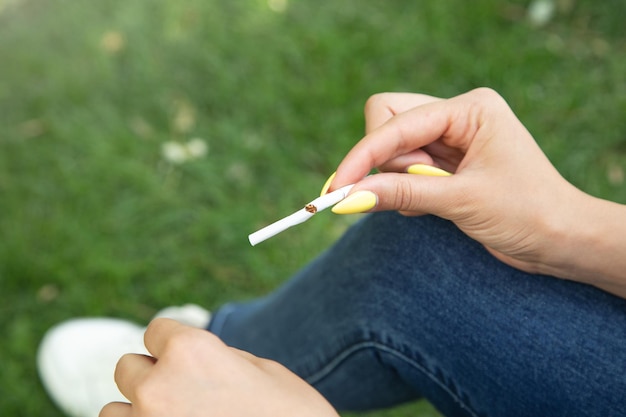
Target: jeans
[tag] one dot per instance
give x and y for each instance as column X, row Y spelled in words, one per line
column 402, row 308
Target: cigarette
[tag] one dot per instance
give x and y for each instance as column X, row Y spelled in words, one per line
column 300, row 216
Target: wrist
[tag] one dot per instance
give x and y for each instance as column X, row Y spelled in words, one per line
column 588, row 243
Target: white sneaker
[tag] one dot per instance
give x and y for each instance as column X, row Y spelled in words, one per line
column 76, row 359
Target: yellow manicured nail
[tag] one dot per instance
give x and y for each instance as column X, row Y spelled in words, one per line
column 327, row 184
column 423, row 169
column 358, row 202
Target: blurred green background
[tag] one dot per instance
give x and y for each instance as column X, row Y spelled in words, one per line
column 142, row 141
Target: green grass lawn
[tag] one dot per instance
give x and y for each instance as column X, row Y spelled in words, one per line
column 95, row 221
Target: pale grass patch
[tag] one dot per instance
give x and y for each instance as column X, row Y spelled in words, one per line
column 5, row 4
column 112, row 42
column 184, row 116
column 278, row 6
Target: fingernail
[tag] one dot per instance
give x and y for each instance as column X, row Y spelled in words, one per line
column 327, row 184
column 423, row 169
column 358, row 202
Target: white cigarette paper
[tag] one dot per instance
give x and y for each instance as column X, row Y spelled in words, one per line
column 300, row 216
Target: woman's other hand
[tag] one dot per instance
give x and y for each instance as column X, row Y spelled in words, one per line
column 194, row 374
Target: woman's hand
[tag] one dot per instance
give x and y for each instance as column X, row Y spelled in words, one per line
column 192, row 373
column 504, row 192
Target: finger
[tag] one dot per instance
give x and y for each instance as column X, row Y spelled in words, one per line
column 400, row 163
column 130, row 371
column 412, row 213
column 244, row 354
column 166, row 334
column 158, row 332
column 381, row 107
column 452, row 123
column 116, row 409
column 402, row 134
column 413, row 194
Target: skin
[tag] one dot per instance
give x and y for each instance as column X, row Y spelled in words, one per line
column 504, row 193
column 192, row 373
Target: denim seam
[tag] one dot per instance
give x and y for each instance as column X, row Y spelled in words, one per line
column 219, row 319
column 346, row 353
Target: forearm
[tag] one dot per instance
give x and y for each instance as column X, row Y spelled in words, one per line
column 593, row 247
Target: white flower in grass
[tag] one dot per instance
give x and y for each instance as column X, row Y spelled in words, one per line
column 540, row 12
column 197, row 148
column 178, row 153
column 174, row 152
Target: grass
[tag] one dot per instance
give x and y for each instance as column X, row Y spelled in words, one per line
column 94, row 221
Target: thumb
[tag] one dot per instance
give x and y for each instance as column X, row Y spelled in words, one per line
column 403, row 192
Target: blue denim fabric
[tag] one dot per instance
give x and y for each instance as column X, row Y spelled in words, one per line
column 407, row 307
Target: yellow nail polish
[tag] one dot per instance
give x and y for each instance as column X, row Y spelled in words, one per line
column 423, row 169
column 358, row 202
column 327, row 184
